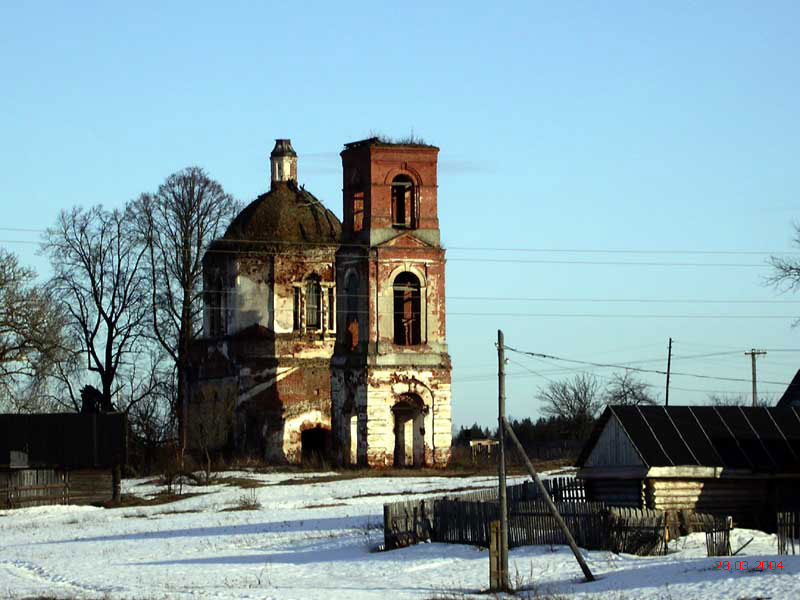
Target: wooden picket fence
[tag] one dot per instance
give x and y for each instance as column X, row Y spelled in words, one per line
column 466, row 519
column 636, row 531
column 21, row 488
column 530, row 523
column 788, row 532
column 561, row 489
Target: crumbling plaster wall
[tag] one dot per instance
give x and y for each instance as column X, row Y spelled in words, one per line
column 254, row 302
column 282, row 373
column 428, row 267
column 349, row 414
column 385, row 387
column 376, row 167
column 282, row 401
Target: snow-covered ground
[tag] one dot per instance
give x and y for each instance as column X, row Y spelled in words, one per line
column 317, row 541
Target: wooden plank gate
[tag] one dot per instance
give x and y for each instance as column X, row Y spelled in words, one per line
column 788, row 531
column 637, row 531
column 718, row 536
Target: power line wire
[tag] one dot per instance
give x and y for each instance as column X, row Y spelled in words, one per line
column 499, row 249
column 345, row 296
column 640, row 370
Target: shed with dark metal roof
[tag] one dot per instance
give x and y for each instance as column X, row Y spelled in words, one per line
column 694, row 457
column 791, row 397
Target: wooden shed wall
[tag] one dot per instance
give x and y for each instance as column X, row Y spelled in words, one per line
column 21, row 488
column 616, row 492
column 613, row 448
column 87, row 486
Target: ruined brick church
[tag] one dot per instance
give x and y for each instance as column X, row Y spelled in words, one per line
column 324, row 338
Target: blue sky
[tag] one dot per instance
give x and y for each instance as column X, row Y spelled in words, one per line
column 562, row 126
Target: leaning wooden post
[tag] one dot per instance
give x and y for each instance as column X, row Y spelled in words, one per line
column 543, row 491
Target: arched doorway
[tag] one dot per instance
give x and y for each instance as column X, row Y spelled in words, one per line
column 316, row 445
column 409, row 431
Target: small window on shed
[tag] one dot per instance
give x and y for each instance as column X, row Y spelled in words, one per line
column 403, row 202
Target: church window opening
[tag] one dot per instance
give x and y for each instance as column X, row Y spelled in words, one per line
column 358, row 211
column 296, row 315
column 351, row 302
column 331, row 309
column 217, row 309
column 313, row 303
column 403, row 202
column 407, row 310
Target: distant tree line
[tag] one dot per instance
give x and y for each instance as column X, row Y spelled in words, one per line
column 570, row 408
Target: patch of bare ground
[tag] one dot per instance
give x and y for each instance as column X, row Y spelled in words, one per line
column 178, row 512
column 460, row 471
column 410, row 493
column 326, row 505
column 237, row 508
column 244, row 483
column 248, row 501
column 131, row 500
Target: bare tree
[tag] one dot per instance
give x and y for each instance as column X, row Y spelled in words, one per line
column 576, row 401
column 31, row 341
column 177, row 223
column 98, row 272
column 150, row 394
column 625, row 388
column 785, row 274
column 210, row 426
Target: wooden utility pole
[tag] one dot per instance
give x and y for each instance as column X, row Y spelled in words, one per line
column 553, row 510
column 752, row 354
column 669, row 364
column 501, row 463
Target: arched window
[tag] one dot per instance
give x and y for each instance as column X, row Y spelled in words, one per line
column 313, row 303
column 407, row 309
column 354, row 186
column 403, row 209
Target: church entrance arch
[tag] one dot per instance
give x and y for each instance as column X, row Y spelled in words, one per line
column 315, row 445
column 409, row 431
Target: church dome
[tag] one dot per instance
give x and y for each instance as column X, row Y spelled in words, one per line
column 287, row 213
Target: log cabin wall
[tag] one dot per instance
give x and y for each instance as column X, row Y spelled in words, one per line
column 739, row 498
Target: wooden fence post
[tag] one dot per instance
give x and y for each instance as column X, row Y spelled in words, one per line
column 495, row 568
column 116, row 483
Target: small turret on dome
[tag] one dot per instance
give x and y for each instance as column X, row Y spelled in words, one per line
column 283, row 161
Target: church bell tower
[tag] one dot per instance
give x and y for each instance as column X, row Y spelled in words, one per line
column 391, row 270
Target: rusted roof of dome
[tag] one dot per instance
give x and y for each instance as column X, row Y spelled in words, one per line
column 285, row 214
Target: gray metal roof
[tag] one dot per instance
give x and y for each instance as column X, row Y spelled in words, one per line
column 762, row 439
